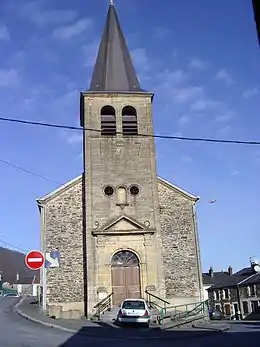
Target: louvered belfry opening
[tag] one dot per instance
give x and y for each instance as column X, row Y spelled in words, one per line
column 108, row 121
column 129, row 121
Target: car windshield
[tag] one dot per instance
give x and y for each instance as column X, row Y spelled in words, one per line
column 134, row 304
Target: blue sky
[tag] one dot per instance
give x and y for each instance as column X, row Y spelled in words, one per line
column 201, row 58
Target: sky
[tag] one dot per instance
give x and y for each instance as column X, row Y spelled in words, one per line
column 202, row 60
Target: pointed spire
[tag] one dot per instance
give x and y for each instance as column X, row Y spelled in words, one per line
column 114, row 70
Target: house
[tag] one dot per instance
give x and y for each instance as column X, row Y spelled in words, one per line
column 119, row 228
column 234, row 293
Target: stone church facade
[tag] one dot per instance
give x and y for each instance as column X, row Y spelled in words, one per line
column 119, row 228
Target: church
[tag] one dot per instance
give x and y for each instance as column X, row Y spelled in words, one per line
column 121, row 230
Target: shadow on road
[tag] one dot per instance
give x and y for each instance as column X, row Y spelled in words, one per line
column 153, row 337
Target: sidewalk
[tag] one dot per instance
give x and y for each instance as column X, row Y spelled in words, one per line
column 31, row 311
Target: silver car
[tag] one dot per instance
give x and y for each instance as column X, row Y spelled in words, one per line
column 134, row 311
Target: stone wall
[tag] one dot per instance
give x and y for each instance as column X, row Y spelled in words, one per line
column 63, row 232
column 181, row 263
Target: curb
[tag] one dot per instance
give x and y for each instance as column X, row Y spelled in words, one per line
column 58, row 327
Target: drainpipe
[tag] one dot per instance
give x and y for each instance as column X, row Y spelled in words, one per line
column 195, row 229
column 239, row 302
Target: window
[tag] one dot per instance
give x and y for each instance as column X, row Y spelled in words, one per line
column 134, row 190
column 254, row 306
column 109, row 191
column 245, row 307
column 218, row 308
column 216, row 295
column 226, row 294
column 133, row 305
column 108, row 121
column 129, row 121
column 251, row 290
column 227, row 310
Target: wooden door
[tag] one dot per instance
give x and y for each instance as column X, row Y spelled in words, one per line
column 125, row 276
column 118, row 285
column 132, row 282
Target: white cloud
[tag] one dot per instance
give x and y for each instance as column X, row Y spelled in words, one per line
column 4, row 33
column 224, row 116
column 90, row 53
column 35, row 11
column 161, row 33
column 188, row 93
column 140, row 59
column 9, row 78
column 225, row 76
column 69, row 31
column 204, row 105
column 183, row 120
column 198, row 64
column 249, row 93
column 225, row 130
column 234, row 173
column 186, row 159
column 74, row 138
column 168, row 80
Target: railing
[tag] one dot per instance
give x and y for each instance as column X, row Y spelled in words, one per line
column 183, row 312
column 163, row 303
column 104, row 305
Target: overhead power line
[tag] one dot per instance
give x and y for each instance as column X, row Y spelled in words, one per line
column 28, row 171
column 12, row 246
column 169, row 137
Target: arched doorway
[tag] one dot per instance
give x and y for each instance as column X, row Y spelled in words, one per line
column 125, row 276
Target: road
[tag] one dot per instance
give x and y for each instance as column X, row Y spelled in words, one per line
column 16, row 331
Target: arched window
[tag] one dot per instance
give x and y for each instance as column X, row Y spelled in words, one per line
column 108, row 121
column 124, row 258
column 129, row 121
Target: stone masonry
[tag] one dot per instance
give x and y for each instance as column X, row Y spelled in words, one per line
column 62, row 230
column 180, row 247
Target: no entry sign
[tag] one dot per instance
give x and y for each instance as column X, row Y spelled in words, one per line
column 34, row 260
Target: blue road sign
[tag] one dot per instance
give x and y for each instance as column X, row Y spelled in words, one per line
column 52, row 259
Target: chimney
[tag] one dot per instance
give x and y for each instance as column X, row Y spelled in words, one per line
column 230, row 271
column 211, row 273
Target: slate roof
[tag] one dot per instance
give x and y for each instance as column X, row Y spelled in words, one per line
column 13, row 262
column 222, row 279
column 114, row 70
column 252, row 279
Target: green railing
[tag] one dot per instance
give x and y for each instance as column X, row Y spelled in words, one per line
column 183, row 312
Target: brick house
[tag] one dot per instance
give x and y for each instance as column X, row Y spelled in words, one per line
column 233, row 293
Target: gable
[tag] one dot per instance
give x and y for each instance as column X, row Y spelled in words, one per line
column 78, row 180
column 123, row 224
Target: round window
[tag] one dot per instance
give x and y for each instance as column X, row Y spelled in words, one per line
column 134, row 190
column 108, row 190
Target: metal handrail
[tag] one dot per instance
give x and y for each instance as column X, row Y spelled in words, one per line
column 165, row 302
column 157, row 297
column 199, row 308
column 104, row 304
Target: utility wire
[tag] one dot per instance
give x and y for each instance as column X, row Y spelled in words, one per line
column 28, row 171
column 12, row 246
column 169, row 137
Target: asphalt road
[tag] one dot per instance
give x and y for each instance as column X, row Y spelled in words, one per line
column 16, row 331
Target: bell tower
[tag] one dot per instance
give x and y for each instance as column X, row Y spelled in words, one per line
column 120, row 179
